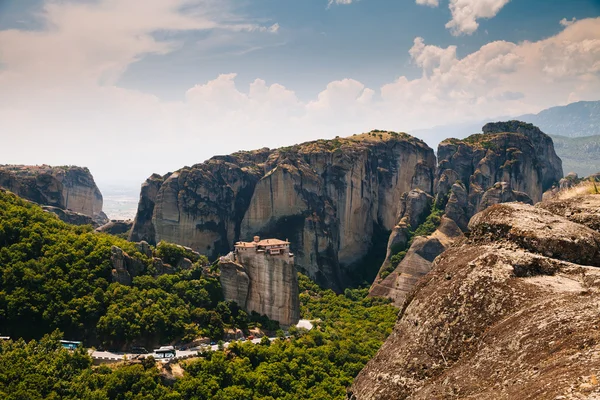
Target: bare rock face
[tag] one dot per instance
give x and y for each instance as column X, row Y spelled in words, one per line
column 549, row 163
column 66, row 188
column 582, row 209
column 116, row 227
column 143, row 228
column 510, row 312
column 507, row 163
column 125, row 267
column 417, row 262
column 534, row 230
column 414, row 208
column 510, row 161
column 70, row 217
column 328, row 197
column 235, row 282
column 262, row 283
column 502, row 193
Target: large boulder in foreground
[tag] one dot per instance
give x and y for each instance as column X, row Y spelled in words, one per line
column 507, row 313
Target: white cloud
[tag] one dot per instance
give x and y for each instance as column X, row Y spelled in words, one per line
column 430, row 3
column 465, row 14
column 567, row 22
column 339, row 2
column 64, row 106
column 96, row 42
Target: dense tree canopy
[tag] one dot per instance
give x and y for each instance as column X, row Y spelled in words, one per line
column 318, row 364
column 55, row 281
column 58, row 276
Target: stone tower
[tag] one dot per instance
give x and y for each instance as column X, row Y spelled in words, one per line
column 260, row 276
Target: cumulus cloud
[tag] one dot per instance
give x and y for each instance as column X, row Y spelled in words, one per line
column 567, row 22
column 465, row 14
column 430, row 3
column 65, row 106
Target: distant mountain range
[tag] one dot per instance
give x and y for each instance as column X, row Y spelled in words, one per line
column 575, row 129
column 573, row 120
column 580, row 155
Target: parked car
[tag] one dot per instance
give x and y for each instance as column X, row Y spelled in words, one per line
column 139, row 350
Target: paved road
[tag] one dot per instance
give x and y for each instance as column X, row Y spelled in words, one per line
column 179, row 354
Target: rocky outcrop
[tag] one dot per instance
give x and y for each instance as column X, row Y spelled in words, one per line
column 116, row 227
column 125, row 267
column 234, row 281
column 510, row 312
column 550, row 165
column 143, row 228
column 329, row 197
column 416, row 263
column 70, row 217
column 414, row 208
column 510, row 161
column 502, row 193
column 67, row 188
column 262, row 283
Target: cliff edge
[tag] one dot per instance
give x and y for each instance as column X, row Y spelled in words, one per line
column 510, row 161
column 70, row 189
column 330, row 198
column 509, row 312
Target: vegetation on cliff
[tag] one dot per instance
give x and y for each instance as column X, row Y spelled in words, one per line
column 58, row 276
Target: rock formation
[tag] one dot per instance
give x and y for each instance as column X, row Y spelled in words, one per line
column 67, row 188
column 116, row 227
column 260, row 276
column 329, row 197
column 417, row 262
column 510, row 312
column 70, row 217
column 516, row 155
column 510, row 161
column 125, row 267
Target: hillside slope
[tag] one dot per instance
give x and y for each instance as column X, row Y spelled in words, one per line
column 579, row 154
column 510, row 312
column 573, row 120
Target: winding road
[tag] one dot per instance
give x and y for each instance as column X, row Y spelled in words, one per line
column 109, row 357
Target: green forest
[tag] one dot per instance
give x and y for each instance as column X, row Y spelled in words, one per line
column 56, row 283
column 58, row 276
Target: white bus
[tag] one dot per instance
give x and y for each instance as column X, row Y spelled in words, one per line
column 165, row 352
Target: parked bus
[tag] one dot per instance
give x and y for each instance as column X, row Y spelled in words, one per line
column 70, row 344
column 165, row 352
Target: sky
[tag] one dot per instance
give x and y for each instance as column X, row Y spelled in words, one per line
column 129, row 88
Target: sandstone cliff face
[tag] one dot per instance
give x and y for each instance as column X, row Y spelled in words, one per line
column 517, row 156
column 417, row 262
column 327, row 197
column 510, row 312
column 511, row 161
column 143, row 228
column 262, row 283
column 67, row 188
